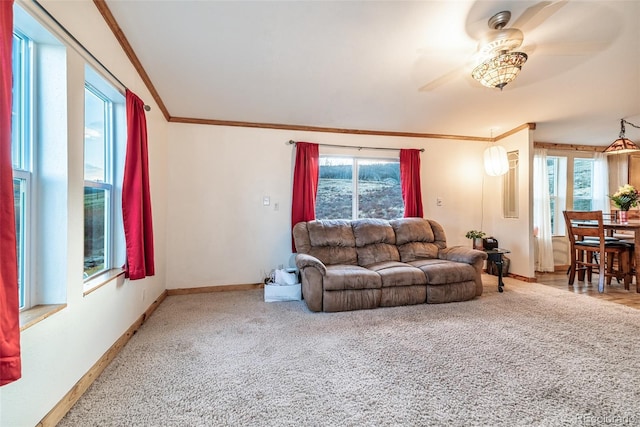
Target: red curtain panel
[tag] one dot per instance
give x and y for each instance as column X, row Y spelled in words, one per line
column 136, row 198
column 410, row 181
column 10, row 364
column 305, row 184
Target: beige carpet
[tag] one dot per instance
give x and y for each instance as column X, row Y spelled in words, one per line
column 532, row 355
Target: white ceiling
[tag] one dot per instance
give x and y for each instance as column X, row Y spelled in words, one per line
column 391, row 65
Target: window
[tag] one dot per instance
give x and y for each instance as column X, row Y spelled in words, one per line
column 582, row 184
column 40, row 148
column 103, row 123
column 98, row 189
column 571, row 181
column 39, row 153
column 20, row 153
column 553, row 165
column 376, row 193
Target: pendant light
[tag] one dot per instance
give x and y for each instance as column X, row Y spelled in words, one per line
column 622, row 144
column 495, row 160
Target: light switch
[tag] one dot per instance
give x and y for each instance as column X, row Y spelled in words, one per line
column 439, row 201
column 266, row 201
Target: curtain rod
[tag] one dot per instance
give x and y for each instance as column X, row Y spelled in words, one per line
column 86, row 51
column 292, row 142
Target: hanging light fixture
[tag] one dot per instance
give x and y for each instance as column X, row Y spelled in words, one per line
column 622, row 144
column 499, row 70
column 495, row 160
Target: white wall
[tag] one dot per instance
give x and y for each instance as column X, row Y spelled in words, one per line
column 515, row 234
column 59, row 350
column 219, row 231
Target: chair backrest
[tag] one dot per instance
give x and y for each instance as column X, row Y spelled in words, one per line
column 584, row 224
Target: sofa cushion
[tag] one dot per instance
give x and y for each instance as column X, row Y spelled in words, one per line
column 398, row 274
column 333, row 232
column 417, row 250
column 418, row 238
column 332, row 255
column 369, row 231
column 379, row 252
column 331, row 241
column 375, row 241
column 412, row 230
column 441, row 272
column 342, row 277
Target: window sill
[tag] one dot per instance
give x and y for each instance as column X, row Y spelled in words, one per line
column 38, row 313
column 101, row 280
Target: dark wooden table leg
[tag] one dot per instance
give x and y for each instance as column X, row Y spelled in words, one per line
column 499, row 265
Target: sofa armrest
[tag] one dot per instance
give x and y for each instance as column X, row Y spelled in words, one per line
column 303, row 261
column 462, row 254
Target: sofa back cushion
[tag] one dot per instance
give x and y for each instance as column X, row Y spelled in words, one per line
column 331, row 241
column 418, row 238
column 375, row 241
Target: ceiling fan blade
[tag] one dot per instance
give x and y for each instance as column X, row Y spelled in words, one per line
column 573, row 49
column 535, row 15
column 443, row 79
column 436, row 83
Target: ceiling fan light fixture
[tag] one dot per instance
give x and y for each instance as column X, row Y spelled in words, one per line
column 499, row 70
column 505, row 39
column 622, row 144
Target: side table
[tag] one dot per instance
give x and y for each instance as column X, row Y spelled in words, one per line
column 495, row 255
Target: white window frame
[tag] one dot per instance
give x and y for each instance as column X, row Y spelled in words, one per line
column 356, row 163
column 115, row 144
column 23, row 165
column 107, row 184
column 565, row 175
column 590, row 197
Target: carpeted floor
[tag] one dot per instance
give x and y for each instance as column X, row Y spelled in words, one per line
column 532, row 355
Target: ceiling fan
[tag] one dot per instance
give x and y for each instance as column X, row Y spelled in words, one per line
column 496, row 47
column 500, row 38
column 500, row 63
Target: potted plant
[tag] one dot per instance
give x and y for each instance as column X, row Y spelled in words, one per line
column 476, row 236
column 625, row 198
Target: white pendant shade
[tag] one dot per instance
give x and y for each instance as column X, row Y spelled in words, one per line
column 495, row 160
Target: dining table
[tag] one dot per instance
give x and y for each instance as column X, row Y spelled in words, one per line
column 632, row 225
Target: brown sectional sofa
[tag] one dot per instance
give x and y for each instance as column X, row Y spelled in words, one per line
column 368, row 263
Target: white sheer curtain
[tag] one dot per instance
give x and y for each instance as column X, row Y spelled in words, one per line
column 542, row 212
column 600, row 184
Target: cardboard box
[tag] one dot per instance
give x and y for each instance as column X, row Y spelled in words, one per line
column 273, row 293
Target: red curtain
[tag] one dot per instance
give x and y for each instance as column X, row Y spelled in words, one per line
column 410, row 181
column 305, row 184
column 136, row 198
column 10, row 364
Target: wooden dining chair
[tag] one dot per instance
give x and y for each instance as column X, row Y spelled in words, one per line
column 590, row 251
